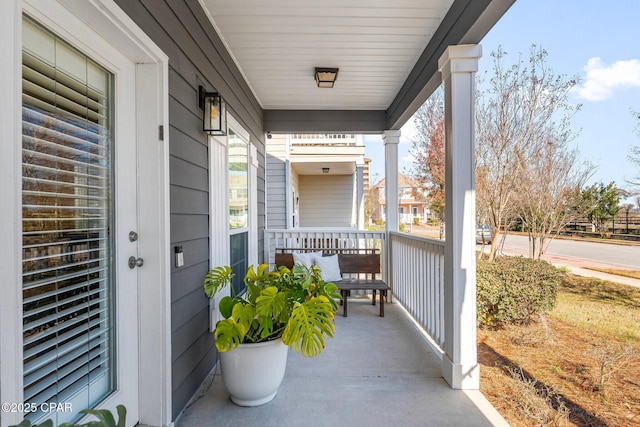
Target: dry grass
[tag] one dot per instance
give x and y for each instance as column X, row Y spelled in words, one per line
column 634, row 274
column 597, row 305
column 554, row 373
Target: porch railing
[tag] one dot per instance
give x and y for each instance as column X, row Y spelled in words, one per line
column 415, row 267
column 320, row 238
column 417, row 274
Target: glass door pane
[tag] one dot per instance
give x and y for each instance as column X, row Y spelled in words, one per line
column 67, row 213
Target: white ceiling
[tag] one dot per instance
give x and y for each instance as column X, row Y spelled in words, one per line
column 278, row 43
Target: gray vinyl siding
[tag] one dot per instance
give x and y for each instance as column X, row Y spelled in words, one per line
column 326, row 201
column 276, row 182
column 196, row 57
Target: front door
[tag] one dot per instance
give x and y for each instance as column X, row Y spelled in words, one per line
column 80, row 216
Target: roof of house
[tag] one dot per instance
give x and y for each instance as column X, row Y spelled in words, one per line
column 403, row 182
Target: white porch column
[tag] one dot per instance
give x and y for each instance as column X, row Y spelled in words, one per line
column 391, row 138
column 360, row 196
column 458, row 66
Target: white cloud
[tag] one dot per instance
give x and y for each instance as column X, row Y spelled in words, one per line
column 602, row 80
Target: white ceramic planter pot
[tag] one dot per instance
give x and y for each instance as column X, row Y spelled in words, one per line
column 252, row 373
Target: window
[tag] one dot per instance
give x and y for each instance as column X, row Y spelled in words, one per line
column 238, row 182
column 238, row 208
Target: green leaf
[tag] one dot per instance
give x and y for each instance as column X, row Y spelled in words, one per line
column 331, row 291
column 266, row 327
column 122, row 415
column 270, row 303
column 253, row 291
column 216, row 279
column 229, row 334
column 243, row 314
column 226, row 306
column 27, row 423
column 308, row 324
column 300, row 269
column 104, row 416
column 256, row 276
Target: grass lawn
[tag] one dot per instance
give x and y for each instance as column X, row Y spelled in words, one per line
column 600, row 306
column 578, row 365
column 634, row 274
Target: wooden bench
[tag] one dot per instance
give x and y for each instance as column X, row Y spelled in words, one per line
column 363, row 262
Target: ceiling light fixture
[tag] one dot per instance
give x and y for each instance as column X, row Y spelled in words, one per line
column 325, row 170
column 326, row 77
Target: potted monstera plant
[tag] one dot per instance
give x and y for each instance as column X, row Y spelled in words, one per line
column 280, row 309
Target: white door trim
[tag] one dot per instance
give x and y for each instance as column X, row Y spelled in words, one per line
column 11, row 379
column 114, row 27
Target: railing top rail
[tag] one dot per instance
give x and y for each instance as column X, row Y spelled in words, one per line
column 330, row 250
column 422, row 239
column 326, row 232
column 322, row 230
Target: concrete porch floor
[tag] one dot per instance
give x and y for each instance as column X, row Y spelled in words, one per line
column 375, row 372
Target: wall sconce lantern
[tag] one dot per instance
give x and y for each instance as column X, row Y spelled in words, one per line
column 325, row 170
column 214, row 120
column 326, row 77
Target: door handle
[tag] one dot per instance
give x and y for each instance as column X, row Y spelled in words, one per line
column 135, row 262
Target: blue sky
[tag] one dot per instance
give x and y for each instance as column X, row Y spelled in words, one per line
column 596, row 40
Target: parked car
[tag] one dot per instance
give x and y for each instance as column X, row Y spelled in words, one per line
column 483, row 234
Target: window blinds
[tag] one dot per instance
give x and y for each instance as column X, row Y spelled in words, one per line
column 67, row 212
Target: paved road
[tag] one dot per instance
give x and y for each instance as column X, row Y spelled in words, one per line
column 581, row 253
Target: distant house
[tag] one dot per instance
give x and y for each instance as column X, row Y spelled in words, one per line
column 315, row 180
column 412, row 204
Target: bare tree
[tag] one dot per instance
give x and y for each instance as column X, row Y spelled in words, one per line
column 371, row 201
column 523, row 106
column 428, row 150
column 553, row 178
column 634, row 157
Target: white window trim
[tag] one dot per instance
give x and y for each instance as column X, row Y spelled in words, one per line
column 219, row 205
column 218, row 214
column 111, row 23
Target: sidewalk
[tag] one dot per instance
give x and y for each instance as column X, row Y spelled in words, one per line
column 579, row 268
column 579, row 271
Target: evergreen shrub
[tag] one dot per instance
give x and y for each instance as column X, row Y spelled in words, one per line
column 512, row 289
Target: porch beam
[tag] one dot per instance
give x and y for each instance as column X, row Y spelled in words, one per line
column 460, row 368
column 321, row 121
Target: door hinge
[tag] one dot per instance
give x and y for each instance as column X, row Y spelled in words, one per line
column 161, row 133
